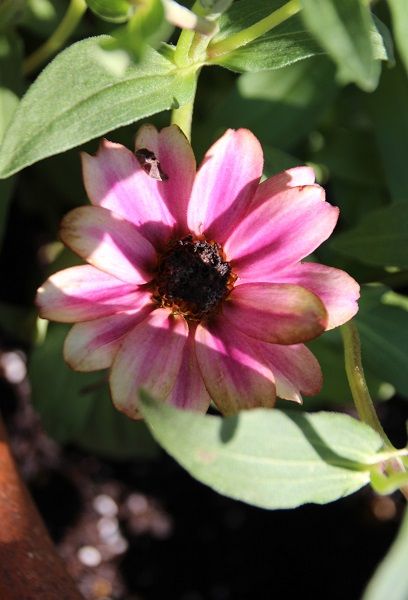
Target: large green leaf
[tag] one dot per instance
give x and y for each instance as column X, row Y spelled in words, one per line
column 281, row 106
column 388, row 109
column 285, row 44
column 399, row 14
column 268, row 458
column 76, row 407
column 380, row 238
column 77, row 98
column 343, row 28
column 391, row 578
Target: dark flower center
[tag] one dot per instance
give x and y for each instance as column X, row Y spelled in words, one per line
column 193, row 278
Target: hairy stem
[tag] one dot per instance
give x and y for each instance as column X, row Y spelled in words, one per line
column 357, row 382
column 253, row 32
column 64, row 30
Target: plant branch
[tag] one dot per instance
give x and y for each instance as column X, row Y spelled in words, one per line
column 357, row 382
column 253, row 32
column 64, row 30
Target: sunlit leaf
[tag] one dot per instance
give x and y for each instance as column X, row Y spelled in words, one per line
column 268, row 458
column 391, row 578
column 343, row 28
column 76, row 98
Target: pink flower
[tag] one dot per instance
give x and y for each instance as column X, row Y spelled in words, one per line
column 194, row 289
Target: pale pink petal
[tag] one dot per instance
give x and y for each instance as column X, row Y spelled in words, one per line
column 177, row 162
column 149, row 358
column 110, row 243
column 92, row 345
column 225, row 184
column 280, row 232
column 233, row 369
column 275, row 313
column 290, row 178
column 295, row 369
column 189, row 391
column 84, row 293
column 335, row 288
column 115, row 180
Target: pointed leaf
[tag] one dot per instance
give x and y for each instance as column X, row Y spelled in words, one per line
column 268, row 458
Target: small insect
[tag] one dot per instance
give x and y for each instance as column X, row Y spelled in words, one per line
column 150, row 164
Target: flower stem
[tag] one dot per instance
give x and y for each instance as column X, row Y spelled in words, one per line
column 357, row 382
column 253, row 32
column 68, row 24
column 183, row 117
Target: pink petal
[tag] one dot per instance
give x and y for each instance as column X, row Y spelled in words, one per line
column 177, row 161
column 149, row 358
column 84, row 293
column 280, row 232
column 275, row 313
column 295, row 369
column 109, row 242
column 92, row 345
column 232, row 367
column 335, row 288
column 189, row 391
column 278, row 183
column 115, row 180
column 225, row 184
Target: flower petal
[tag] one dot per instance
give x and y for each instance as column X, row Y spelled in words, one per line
column 232, row 367
column 177, row 162
column 286, row 179
column 280, row 232
column 296, row 370
column 92, row 345
column 335, row 288
column 150, row 358
column 84, row 293
column 275, row 313
column 225, row 184
column 189, row 391
column 115, row 180
column 109, row 242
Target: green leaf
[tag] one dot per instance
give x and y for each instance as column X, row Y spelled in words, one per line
column 399, row 15
column 380, row 238
column 343, row 28
column 384, row 341
column 282, row 106
column 114, row 11
column 388, row 109
column 391, row 578
column 268, row 458
column 76, row 407
column 76, row 98
column 10, row 89
column 282, row 46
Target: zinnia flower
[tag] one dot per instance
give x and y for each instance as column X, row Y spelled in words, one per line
column 194, row 289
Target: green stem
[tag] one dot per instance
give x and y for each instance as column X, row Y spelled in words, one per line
column 183, row 117
column 357, row 382
column 64, row 30
column 253, row 32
